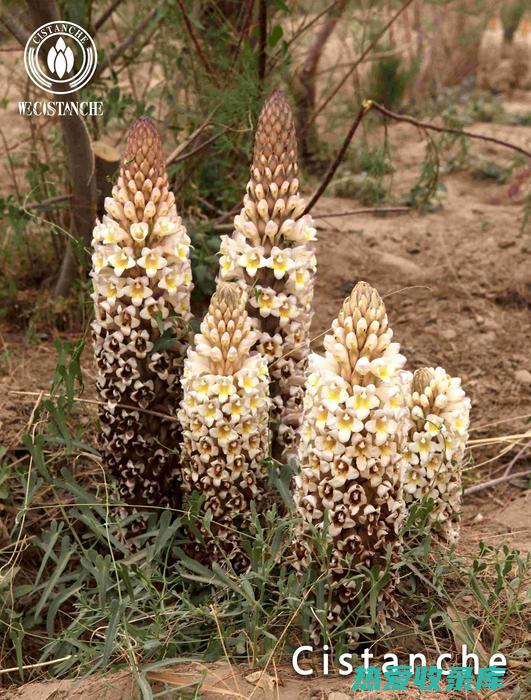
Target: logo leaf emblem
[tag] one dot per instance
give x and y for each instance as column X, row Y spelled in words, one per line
column 60, row 59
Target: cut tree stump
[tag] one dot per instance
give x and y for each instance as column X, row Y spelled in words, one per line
column 107, row 162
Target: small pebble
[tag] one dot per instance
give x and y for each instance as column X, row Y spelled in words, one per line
column 449, row 334
column 523, row 376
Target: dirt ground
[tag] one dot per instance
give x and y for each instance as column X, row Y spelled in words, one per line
column 221, row 681
column 457, row 285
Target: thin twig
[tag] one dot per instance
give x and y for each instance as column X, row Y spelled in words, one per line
column 228, row 214
column 373, row 210
column 523, row 416
column 302, row 28
column 446, row 129
column 262, row 41
column 515, row 459
column 129, row 41
column 494, row 482
column 245, row 29
column 369, row 105
column 357, row 63
column 37, row 665
column 48, row 203
column 339, row 157
column 183, row 146
column 106, row 14
column 195, row 41
column 199, row 148
column 95, row 402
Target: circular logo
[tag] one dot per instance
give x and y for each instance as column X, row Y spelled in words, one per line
column 60, row 57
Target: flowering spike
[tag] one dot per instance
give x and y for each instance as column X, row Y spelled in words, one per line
column 142, row 283
column 351, row 451
column 437, row 436
column 224, row 416
column 270, row 253
column 521, row 59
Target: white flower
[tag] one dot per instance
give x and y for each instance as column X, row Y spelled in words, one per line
column 99, row 260
column 280, row 262
column 139, row 231
column 363, row 401
column 227, row 265
column 171, row 282
column 345, row 423
column 247, row 380
column 385, row 367
column 381, row 426
column 122, row 260
column 152, row 261
column 138, row 289
column 252, row 260
column 164, row 226
column 334, row 394
column 422, row 445
column 210, row 412
column 223, row 388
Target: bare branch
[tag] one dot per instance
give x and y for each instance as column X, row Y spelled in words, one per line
column 49, row 203
column 200, row 147
column 16, row 28
column 195, row 41
column 100, row 21
column 357, row 63
column 128, row 42
column 262, row 41
column 193, row 136
column 245, row 29
column 446, row 129
column 369, row 105
column 369, row 210
column 494, row 482
column 337, row 160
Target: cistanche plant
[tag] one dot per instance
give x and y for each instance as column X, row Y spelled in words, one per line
column 350, row 489
column 438, row 432
column 225, row 420
column 142, row 283
column 270, row 254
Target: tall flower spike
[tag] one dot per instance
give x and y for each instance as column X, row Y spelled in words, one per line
column 224, row 415
column 351, row 452
column 521, row 59
column 270, row 253
column 437, row 437
column 142, row 282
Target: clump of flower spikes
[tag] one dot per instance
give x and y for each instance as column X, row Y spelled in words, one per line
column 437, row 437
column 225, row 420
column 270, row 253
column 142, row 282
column 351, row 453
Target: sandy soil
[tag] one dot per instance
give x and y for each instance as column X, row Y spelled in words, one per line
column 457, row 284
column 221, row 682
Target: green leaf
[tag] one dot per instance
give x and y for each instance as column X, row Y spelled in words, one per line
column 116, row 610
column 275, row 35
column 64, row 558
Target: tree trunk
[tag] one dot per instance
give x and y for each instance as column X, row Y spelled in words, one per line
column 305, row 88
column 78, row 152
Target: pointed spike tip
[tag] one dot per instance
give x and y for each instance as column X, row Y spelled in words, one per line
column 229, row 294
